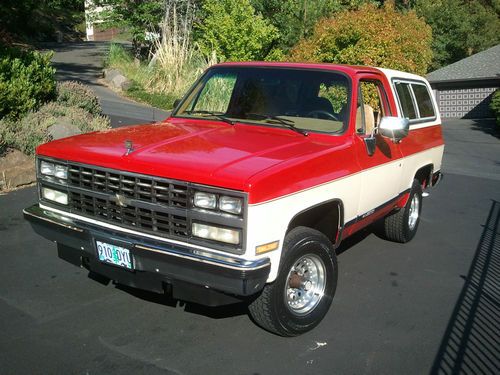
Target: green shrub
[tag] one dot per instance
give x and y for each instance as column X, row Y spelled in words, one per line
column 72, row 93
column 495, row 106
column 26, row 81
column 234, row 30
column 27, row 133
column 370, row 36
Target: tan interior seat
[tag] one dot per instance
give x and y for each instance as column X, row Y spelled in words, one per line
column 369, row 118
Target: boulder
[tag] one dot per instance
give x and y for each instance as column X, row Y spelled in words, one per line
column 121, row 82
column 16, row 169
column 62, row 129
column 109, row 74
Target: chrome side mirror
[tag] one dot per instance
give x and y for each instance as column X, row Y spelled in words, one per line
column 395, row 128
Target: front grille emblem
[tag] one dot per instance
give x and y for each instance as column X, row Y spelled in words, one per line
column 121, row 200
column 129, row 146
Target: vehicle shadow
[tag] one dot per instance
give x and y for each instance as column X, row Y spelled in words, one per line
column 227, row 311
column 219, row 312
column 471, row 343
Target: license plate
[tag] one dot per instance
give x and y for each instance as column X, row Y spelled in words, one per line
column 112, row 254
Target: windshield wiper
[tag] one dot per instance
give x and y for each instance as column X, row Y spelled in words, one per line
column 220, row 116
column 283, row 121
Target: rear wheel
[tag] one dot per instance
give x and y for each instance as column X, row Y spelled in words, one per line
column 402, row 226
column 303, row 291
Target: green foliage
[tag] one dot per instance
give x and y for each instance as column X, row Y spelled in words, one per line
column 295, row 19
column 137, row 16
column 495, row 106
column 71, row 93
column 460, row 28
column 234, row 31
column 371, row 36
column 30, row 131
column 29, row 20
column 26, row 81
column 158, row 100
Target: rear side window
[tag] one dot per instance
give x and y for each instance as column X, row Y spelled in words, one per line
column 424, row 102
column 405, row 100
column 414, row 100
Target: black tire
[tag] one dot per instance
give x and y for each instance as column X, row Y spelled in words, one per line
column 398, row 227
column 275, row 309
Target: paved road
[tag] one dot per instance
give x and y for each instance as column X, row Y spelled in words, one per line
column 83, row 62
column 398, row 309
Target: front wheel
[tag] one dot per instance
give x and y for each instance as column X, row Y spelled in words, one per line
column 302, row 293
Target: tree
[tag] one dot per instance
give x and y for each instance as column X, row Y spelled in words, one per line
column 29, row 20
column 233, row 30
column 370, row 36
column 295, row 19
column 460, row 27
column 137, row 16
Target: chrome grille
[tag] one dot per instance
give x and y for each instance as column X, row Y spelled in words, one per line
column 146, row 189
column 93, row 193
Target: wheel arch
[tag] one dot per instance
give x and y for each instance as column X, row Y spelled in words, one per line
column 326, row 217
column 424, row 175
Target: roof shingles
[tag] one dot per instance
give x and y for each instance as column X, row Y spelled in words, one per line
column 482, row 65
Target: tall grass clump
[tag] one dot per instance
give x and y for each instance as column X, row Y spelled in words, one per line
column 175, row 60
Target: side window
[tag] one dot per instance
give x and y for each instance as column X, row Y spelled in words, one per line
column 405, row 100
column 424, row 102
column 371, row 106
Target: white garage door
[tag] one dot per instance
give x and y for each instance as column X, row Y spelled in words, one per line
column 467, row 103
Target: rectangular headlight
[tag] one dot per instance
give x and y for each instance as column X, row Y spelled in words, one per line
column 61, row 171
column 55, row 195
column 47, row 168
column 210, row 232
column 52, row 169
column 230, row 204
column 205, row 200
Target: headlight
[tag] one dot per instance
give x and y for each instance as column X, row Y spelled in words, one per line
column 230, row 204
column 55, row 195
column 47, row 168
column 52, row 169
column 216, row 233
column 205, row 200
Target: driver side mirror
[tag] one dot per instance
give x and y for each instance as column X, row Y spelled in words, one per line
column 395, row 128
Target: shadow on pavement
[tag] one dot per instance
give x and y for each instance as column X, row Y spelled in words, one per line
column 487, row 126
column 471, row 344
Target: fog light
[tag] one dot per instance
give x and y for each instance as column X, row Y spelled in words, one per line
column 210, row 232
column 55, row 195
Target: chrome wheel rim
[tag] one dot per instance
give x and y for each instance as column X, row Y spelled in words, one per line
column 414, row 212
column 305, row 286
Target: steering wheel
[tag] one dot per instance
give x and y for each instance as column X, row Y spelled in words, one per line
column 321, row 114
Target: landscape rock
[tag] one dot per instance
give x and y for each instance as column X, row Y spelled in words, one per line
column 121, row 82
column 109, row 74
column 62, row 129
column 16, row 169
column 116, row 79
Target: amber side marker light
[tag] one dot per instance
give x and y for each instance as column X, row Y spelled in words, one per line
column 267, row 247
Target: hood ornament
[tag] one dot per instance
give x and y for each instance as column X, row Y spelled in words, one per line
column 129, row 146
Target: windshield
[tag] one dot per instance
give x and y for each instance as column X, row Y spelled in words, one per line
column 301, row 100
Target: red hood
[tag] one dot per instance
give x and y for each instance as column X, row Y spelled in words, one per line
column 204, row 152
